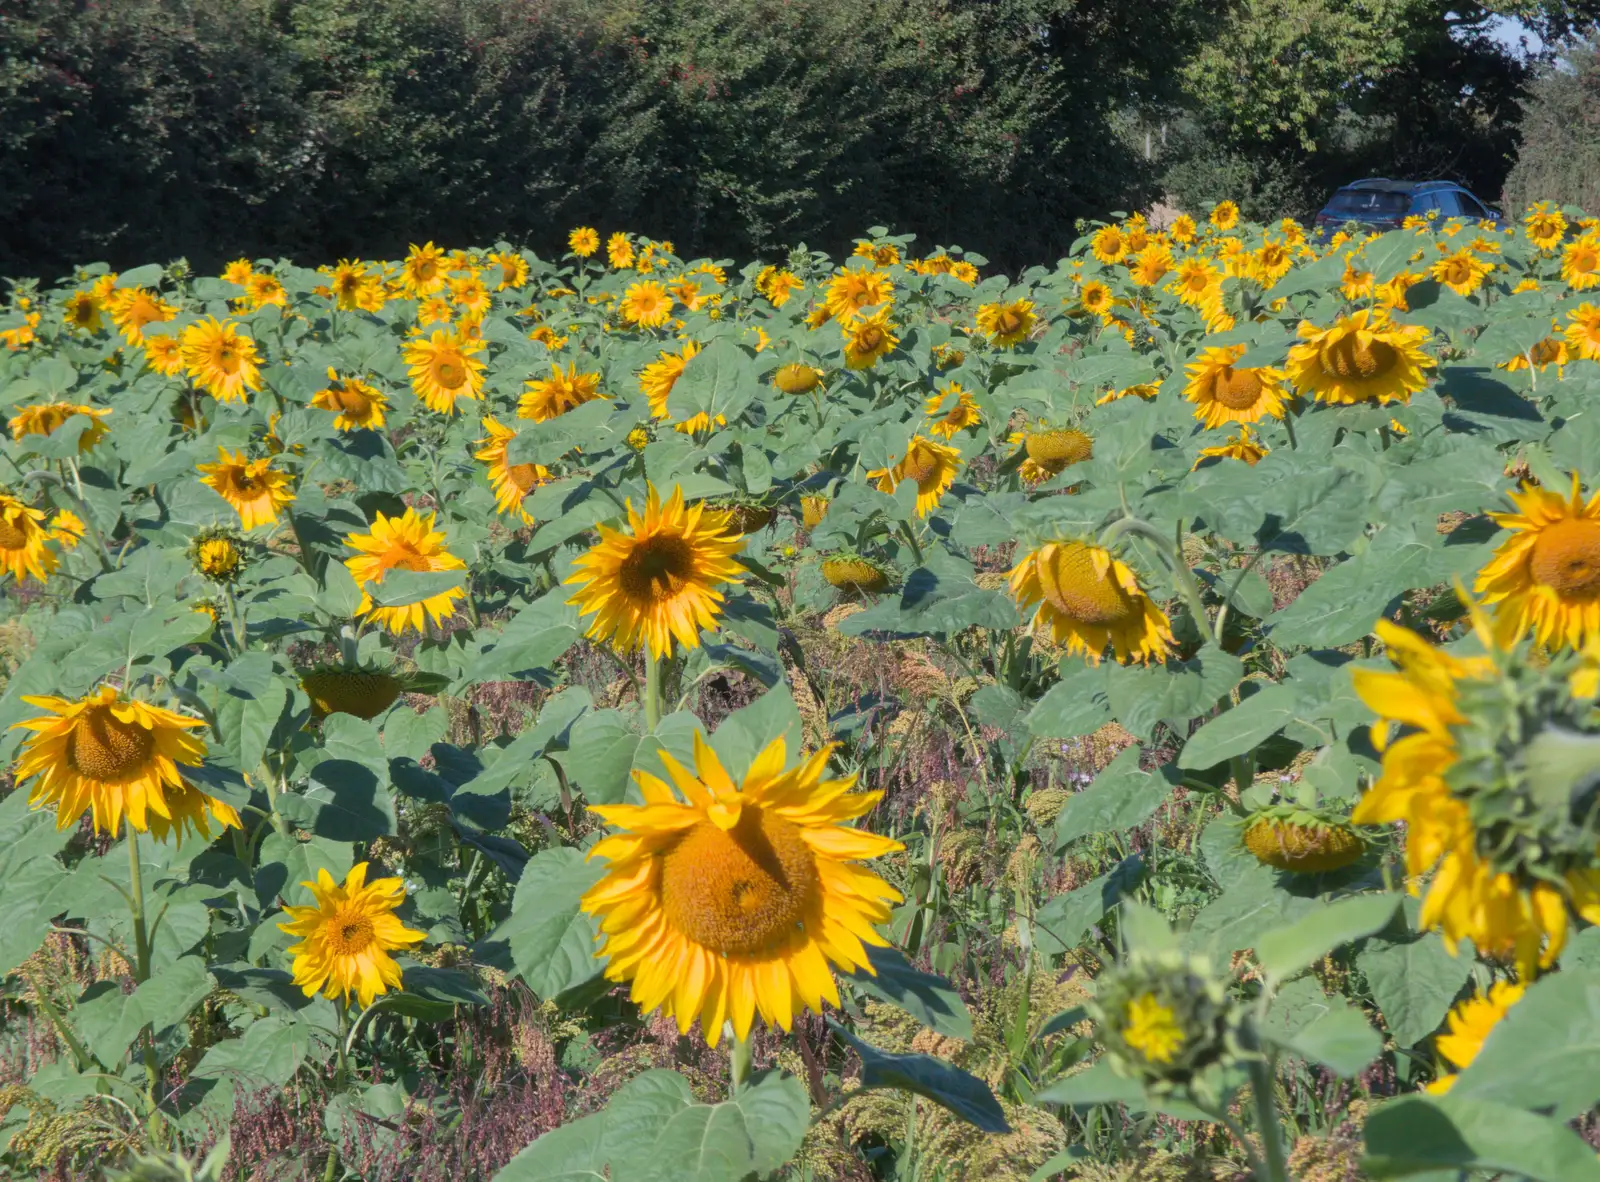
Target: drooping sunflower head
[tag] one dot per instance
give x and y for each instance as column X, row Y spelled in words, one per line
column 1163, row 1017
column 255, row 489
column 548, row 398
column 1493, row 774
column 855, row 574
column 1546, row 576
column 1301, row 840
column 658, row 579
column 111, row 755
column 1087, row 599
column 723, row 900
column 1050, row 449
column 1223, row 393
column 222, row 360
column 356, row 405
column 23, row 552
column 813, row 509
column 444, row 369
column 347, row 934
column 512, row 483
column 408, row 542
column 746, row 515
column 867, row 338
column 1363, row 357
column 797, row 378
column 46, row 418
column 364, row 693
column 931, row 466
column 218, row 553
column 1007, row 324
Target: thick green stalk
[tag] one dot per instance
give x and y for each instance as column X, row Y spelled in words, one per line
column 1267, row 1123
column 141, row 974
column 652, row 690
column 739, row 1059
column 341, row 1081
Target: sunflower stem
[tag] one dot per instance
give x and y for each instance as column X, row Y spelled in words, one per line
column 739, row 1059
column 1288, row 425
column 652, row 690
column 341, row 1081
column 1266, row 1111
column 141, row 974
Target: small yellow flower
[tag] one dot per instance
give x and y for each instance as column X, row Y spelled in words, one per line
column 347, row 934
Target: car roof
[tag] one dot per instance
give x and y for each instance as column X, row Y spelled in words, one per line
column 1385, row 185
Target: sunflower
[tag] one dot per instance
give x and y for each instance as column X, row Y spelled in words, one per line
column 1007, row 324
column 812, row 510
column 1392, row 295
column 1301, row 841
column 67, row 528
column 1223, row 394
column 852, row 291
column 1096, row 299
column 1545, row 226
column 1583, row 333
column 619, row 250
column 408, row 542
column 657, row 379
column 514, row 272
column 1224, row 215
column 435, row 310
column 952, row 410
column 1145, row 390
column 1580, row 263
column 511, row 482
column 548, row 398
column 1357, row 284
column 423, row 272
column 1545, row 352
column 646, row 305
column 658, row 579
column 1271, row 263
column 867, row 339
column 1109, row 245
column 722, row 900
column 1243, row 446
column 931, row 466
column 1088, row 599
column 46, row 418
column 1462, row 272
column 347, row 282
column 1183, row 229
column 263, row 289
column 1471, row 1022
column 778, row 286
column 1151, row 265
column 1195, row 281
column 238, row 272
column 22, row 541
column 163, row 353
column 253, row 487
column 1508, row 855
column 346, row 936
column 583, row 241
column 82, row 312
column 111, row 755
column 854, row 574
column 1546, row 576
column 1153, row 1029
column 470, row 295
column 132, row 308
column 361, row 693
column 221, row 360
column 443, row 369
column 217, row 553
column 1363, row 357
column 355, row 404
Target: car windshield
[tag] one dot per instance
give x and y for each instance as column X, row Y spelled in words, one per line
column 1369, row 201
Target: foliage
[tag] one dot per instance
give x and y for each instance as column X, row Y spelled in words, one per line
column 1564, row 97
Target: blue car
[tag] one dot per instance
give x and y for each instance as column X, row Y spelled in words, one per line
column 1380, row 204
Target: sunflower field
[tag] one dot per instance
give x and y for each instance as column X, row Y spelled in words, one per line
column 625, row 717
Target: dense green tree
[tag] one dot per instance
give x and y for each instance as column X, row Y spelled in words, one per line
column 1560, row 156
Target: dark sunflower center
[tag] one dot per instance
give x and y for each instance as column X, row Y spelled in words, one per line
column 1566, row 557
column 351, row 400
column 869, row 338
column 1236, row 389
column 426, row 270
column 1008, row 322
column 105, row 748
column 524, row 476
column 350, row 934
column 1349, row 358
column 1546, row 351
column 921, row 465
column 740, row 891
column 656, row 568
column 12, row 535
column 1072, row 586
column 449, row 372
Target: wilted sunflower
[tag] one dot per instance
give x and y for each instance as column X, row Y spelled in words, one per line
column 356, row 405
column 511, row 482
column 1462, row 272
column 361, row 693
column 548, row 398
column 952, row 410
column 853, row 573
column 646, row 305
column 1088, row 599
column 443, row 369
column 931, row 466
column 347, row 934
column 725, row 900
column 659, row 579
column 1363, row 357
column 1471, row 1022
column 583, row 241
column 222, row 360
column 1301, row 840
column 867, row 339
column 1223, row 394
column 408, row 542
column 1546, row 226
column 253, row 487
column 852, row 291
column 423, row 272
column 796, row 378
column 657, row 379
column 218, row 553
column 1583, row 332
column 1007, row 324
column 1243, row 446
column 1546, row 576
column 108, row 754
column 1485, row 779
column 1580, row 263
column 22, row 541
column 46, row 418
column 1109, row 245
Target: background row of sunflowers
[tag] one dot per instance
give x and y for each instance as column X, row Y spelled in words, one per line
column 676, row 644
